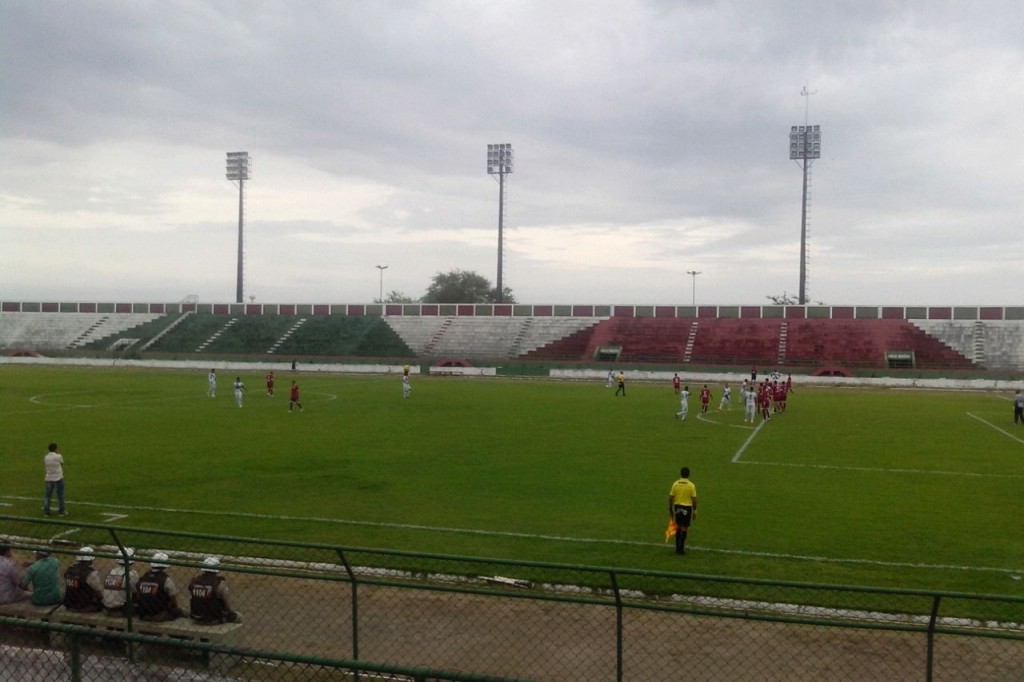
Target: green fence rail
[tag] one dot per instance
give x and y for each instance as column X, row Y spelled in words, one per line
column 312, row 611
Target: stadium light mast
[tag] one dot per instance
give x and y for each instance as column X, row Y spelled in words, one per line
column 693, row 291
column 239, row 168
column 382, row 268
column 500, row 160
column 804, row 147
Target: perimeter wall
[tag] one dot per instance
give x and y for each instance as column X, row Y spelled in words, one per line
column 795, row 312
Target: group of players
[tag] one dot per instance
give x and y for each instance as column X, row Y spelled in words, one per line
column 767, row 397
column 239, row 388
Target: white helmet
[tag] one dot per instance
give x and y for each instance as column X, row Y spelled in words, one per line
column 160, row 560
column 128, row 552
column 211, row 564
column 85, row 554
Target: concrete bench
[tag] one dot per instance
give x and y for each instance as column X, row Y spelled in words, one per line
column 183, row 629
column 26, row 610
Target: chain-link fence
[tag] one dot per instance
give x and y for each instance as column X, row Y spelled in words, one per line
column 319, row 612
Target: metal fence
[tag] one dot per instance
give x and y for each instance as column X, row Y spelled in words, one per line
column 312, row 612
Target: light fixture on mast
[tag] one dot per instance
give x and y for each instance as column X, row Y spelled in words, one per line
column 500, row 161
column 239, row 168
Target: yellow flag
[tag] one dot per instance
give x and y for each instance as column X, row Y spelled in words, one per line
column 671, row 530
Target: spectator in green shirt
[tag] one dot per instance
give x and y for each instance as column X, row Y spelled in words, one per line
column 43, row 576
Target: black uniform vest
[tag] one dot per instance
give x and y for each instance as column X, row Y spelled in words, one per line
column 205, row 605
column 78, row 595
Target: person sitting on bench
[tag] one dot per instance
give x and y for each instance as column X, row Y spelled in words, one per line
column 209, row 596
column 116, row 586
column 83, row 590
column 156, row 595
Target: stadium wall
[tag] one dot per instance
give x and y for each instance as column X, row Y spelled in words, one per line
column 791, row 312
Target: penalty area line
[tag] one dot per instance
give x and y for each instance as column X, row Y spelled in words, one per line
column 993, row 426
column 884, row 470
column 540, row 536
column 747, row 442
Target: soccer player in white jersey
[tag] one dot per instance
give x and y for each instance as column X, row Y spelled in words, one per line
column 406, row 386
column 211, row 381
column 726, row 398
column 750, row 403
column 239, row 390
column 684, row 404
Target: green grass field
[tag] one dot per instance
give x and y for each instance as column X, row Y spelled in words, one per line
column 877, row 487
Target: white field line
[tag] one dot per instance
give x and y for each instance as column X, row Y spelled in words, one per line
column 884, row 470
column 990, row 424
column 137, row 404
column 888, row 470
column 538, row 536
column 705, row 418
column 69, row 531
column 748, row 441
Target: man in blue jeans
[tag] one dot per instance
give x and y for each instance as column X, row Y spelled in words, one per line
column 54, row 465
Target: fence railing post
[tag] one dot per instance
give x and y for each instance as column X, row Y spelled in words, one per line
column 75, row 644
column 932, row 620
column 354, row 604
column 618, row 625
column 129, row 594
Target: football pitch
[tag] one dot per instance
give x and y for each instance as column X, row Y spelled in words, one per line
column 881, row 487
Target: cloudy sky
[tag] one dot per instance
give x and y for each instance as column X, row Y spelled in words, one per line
column 651, row 138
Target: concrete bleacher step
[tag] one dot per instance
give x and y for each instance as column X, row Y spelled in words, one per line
column 783, row 338
column 167, row 330
column 216, row 334
column 979, row 342
column 428, row 349
column 86, row 336
column 284, row 337
column 517, row 342
column 691, row 340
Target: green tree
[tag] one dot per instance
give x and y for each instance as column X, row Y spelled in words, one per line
column 782, row 299
column 395, row 297
column 462, row 286
column 787, row 299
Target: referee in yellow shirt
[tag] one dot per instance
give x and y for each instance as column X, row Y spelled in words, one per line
column 682, row 507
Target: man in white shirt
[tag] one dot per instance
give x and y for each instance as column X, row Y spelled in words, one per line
column 684, row 404
column 53, row 462
column 750, row 405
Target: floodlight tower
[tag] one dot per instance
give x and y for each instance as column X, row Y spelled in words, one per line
column 804, row 147
column 500, row 161
column 239, row 169
column 693, row 291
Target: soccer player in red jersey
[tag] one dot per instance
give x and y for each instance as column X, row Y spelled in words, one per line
column 765, row 400
column 705, row 398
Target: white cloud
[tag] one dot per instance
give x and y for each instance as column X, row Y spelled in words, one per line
column 650, row 138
